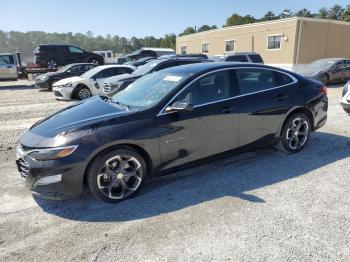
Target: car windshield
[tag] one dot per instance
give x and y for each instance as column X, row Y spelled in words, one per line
column 145, row 69
column 319, row 65
column 149, row 90
column 91, row 72
column 64, row 69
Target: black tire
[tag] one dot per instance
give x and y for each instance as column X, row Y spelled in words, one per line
column 99, row 182
column 82, row 93
column 52, row 63
column 294, row 140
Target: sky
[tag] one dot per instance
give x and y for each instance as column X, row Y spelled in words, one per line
column 136, row 17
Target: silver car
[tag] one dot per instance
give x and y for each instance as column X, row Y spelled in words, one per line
column 8, row 66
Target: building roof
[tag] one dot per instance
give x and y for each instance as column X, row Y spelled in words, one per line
column 284, row 20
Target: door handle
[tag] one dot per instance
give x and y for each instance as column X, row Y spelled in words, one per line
column 228, row 110
column 281, row 97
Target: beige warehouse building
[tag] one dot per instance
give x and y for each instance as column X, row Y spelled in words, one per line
column 287, row 43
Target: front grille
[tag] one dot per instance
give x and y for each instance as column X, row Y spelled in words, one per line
column 23, row 167
column 106, row 88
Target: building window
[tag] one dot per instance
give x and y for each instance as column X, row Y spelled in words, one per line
column 274, row 42
column 205, row 48
column 183, row 49
column 230, row 46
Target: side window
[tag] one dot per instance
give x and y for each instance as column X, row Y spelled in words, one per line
column 77, row 69
column 339, row 65
column 254, row 80
column 237, row 58
column 108, row 72
column 282, row 79
column 75, row 50
column 186, row 62
column 6, row 60
column 210, row 88
column 256, row 58
column 88, row 67
column 124, row 70
column 165, row 65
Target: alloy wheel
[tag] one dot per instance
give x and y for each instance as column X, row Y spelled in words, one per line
column 119, row 177
column 297, row 133
column 84, row 93
column 51, row 63
column 94, row 61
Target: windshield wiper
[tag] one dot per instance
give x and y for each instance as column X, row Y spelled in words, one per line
column 125, row 107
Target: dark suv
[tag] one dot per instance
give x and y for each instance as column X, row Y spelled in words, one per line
column 53, row 56
column 243, row 57
column 115, row 84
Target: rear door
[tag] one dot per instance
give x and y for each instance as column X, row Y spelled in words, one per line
column 8, row 67
column 210, row 128
column 265, row 97
column 337, row 71
column 76, row 55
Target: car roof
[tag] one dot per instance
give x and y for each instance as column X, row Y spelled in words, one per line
column 211, row 66
column 111, row 66
column 74, row 64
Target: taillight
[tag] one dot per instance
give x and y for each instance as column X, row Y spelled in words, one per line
column 324, row 90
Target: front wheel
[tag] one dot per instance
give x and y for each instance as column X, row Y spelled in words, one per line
column 117, row 175
column 83, row 93
column 295, row 133
column 52, row 63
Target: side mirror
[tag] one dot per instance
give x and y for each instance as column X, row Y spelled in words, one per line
column 179, row 106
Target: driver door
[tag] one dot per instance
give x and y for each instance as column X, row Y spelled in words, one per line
column 76, row 54
column 337, row 71
column 210, row 128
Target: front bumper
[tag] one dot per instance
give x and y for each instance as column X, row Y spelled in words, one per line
column 42, row 85
column 62, row 93
column 53, row 179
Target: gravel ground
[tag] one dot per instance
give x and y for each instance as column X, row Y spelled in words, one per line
column 259, row 206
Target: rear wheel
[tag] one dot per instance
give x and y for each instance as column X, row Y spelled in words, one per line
column 117, row 175
column 94, row 61
column 52, row 63
column 295, row 133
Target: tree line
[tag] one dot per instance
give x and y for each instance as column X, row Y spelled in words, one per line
column 26, row 42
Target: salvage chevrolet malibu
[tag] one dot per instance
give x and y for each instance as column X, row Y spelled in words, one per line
column 165, row 120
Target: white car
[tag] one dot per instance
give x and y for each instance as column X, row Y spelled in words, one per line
column 89, row 83
column 345, row 99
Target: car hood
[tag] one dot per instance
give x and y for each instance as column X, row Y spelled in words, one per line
column 68, row 80
column 119, row 78
column 80, row 116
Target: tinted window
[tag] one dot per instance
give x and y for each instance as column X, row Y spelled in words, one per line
column 256, row 58
column 75, row 50
column 6, row 60
column 88, row 67
column 339, row 65
column 166, row 65
column 77, row 69
column 124, row 70
column 184, row 62
column 253, row 80
column 237, row 58
column 282, row 79
column 108, row 72
column 210, row 88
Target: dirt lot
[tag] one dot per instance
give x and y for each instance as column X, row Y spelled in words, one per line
column 260, row 206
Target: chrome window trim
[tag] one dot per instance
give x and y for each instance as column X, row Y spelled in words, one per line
column 162, row 111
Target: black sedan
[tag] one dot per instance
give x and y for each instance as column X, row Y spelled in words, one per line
column 141, row 61
column 329, row 70
column 45, row 81
column 165, row 120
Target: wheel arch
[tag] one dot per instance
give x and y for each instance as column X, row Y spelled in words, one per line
column 303, row 110
column 139, row 149
column 77, row 88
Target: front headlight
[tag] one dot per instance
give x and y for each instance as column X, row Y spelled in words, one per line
column 52, row 153
column 68, row 85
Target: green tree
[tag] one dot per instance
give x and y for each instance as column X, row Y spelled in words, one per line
column 206, row 28
column 286, row 13
column 169, row 41
column 189, row 30
column 336, row 12
column 346, row 14
column 323, row 13
column 269, row 16
column 237, row 19
column 304, row 13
